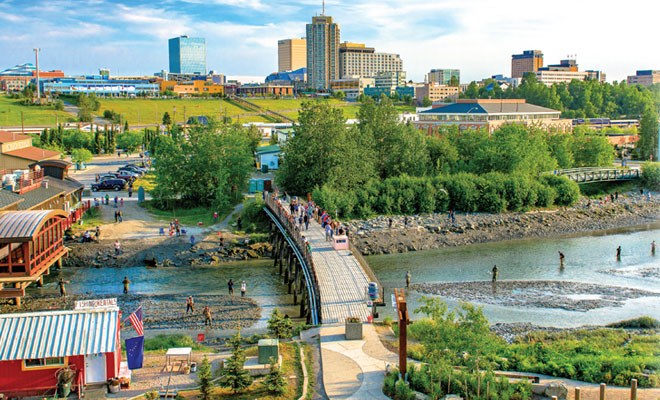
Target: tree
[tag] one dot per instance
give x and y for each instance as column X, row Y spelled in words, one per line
column 472, row 91
column 339, row 95
column 204, row 377
column 59, row 105
column 648, row 134
column 76, row 139
column 81, row 156
column 426, row 102
column 85, row 115
column 235, row 377
column 274, row 381
column 453, row 81
column 125, row 126
column 167, row 120
column 98, row 144
column 130, row 140
column 279, row 325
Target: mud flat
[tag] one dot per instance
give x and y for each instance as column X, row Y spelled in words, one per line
column 571, row 296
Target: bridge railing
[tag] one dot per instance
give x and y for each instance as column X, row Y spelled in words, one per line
column 289, row 224
column 586, row 175
column 368, row 271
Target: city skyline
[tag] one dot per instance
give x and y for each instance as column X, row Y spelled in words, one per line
column 242, row 36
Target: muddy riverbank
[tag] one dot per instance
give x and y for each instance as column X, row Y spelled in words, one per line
column 432, row 231
column 164, row 311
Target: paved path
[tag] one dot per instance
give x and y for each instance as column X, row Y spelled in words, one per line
column 343, row 283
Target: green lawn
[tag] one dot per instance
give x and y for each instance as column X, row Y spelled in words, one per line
column 10, row 114
column 187, row 216
column 151, row 110
column 285, row 104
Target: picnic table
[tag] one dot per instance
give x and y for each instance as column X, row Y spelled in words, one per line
column 180, row 355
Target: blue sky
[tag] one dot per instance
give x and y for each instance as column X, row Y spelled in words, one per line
column 477, row 36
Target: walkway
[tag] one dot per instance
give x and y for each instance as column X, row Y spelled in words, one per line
column 342, row 281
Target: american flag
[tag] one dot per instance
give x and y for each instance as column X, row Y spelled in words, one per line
column 136, row 320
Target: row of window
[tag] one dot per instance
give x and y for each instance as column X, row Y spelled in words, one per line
column 481, row 117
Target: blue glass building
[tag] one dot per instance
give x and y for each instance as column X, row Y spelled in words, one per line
column 187, row 55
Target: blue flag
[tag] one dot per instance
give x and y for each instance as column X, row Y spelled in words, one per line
column 135, row 352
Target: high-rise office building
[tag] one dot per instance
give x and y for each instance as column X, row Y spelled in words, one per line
column 322, row 52
column 188, row 55
column 443, row 75
column 528, row 61
column 644, row 77
column 355, row 59
column 291, row 54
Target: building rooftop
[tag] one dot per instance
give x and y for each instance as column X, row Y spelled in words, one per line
column 8, row 198
column 490, row 107
column 68, row 185
column 8, row 137
column 32, row 153
column 268, row 149
column 39, row 195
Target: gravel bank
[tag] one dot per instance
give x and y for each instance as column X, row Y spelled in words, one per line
column 432, row 231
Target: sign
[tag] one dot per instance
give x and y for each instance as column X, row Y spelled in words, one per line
column 370, row 303
column 95, row 303
column 393, row 301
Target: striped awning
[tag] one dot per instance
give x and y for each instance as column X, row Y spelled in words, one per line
column 23, row 225
column 58, row 333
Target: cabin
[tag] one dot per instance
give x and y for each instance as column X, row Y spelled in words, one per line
column 36, row 345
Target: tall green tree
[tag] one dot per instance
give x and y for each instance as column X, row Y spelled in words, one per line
column 235, row 377
column 167, row 120
column 648, row 134
column 98, row 145
column 204, row 377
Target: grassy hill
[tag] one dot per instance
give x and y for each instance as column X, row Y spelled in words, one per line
column 10, row 114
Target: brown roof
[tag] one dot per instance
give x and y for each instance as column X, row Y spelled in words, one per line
column 32, row 153
column 7, row 137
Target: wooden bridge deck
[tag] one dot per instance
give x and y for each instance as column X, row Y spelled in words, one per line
column 342, row 281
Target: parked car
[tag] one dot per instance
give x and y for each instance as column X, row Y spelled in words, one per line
column 109, row 184
column 127, row 175
column 131, row 168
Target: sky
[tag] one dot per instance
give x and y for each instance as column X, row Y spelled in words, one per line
column 476, row 36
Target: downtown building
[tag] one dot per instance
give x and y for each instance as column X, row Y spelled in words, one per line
column 16, row 78
column 644, row 77
column 322, row 52
column 355, row 59
column 443, row 75
column 187, row 55
column 291, row 54
column 528, row 61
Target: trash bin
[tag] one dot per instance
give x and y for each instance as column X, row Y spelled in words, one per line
column 264, row 168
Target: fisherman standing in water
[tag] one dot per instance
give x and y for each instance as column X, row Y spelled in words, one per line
column 618, row 253
column 408, row 279
column 561, row 258
column 494, row 273
column 653, row 246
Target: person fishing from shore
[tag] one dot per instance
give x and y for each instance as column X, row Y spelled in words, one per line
column 98, row 233
column 192, row 240
column 207, row 316
column 494, row 273
column 62, row 287
column 618, row 253
column 190, row 305
column 408, row 276
column 230, row 286
column 126, row 282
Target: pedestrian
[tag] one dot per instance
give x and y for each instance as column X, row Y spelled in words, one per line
column 215, row 217
column 178, row 230
column 117, row 247
column 328, row 233
column 126, row 282
column 561, row 258
column 306, row 219
column 116, row 217
column 653, row 246
column 130, row 190
column 453, row 217
column 618, row 253
column 243, row 289
column 121, row 218
column 192, row 240
column 230, row 286
column 616, row 195
column 98, row 233
column 119, row 154
column 612, row 197
column 207, row 316
column 190, row 305
column 121, row 202
column 405, row 221
column 107, row 199
column 389, row 222
column 494, row 272
column 222, row 242
column 408, row 279
column 61, row 284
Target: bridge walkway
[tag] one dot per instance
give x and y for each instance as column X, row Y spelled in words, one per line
column 342, row 281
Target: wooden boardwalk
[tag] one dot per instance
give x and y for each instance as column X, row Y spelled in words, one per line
column 342, row 281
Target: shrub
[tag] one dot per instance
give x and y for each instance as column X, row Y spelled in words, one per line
column 651, row 175
column 279, row 325
column 253, row 217
column 568, row 192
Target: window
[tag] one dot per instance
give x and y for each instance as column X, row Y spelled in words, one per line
column 44, row 362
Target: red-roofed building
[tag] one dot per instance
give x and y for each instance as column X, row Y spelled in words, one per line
column 17, row 152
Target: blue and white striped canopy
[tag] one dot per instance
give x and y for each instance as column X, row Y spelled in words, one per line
column 58, row 333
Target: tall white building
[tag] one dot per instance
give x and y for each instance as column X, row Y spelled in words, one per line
column 355, row 59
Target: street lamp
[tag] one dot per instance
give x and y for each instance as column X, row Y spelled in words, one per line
column 36, row 53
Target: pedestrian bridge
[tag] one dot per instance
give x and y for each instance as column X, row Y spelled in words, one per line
column 333, row 283
column 597, row 174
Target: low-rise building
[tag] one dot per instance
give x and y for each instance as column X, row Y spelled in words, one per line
column 268, row 155
column 198, row 87
column 646, row 78
column 352, row 87
column 436, row 92
column 490, row 114
column 17, row 152
column 101, row 86
column 549, row 78
column 16, row 78
column 265, row 89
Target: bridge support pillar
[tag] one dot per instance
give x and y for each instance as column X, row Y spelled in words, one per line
column 296, row 281
column 276, row 248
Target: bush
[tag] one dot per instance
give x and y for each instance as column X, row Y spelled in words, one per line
column 253, row 217
column 568, row 192
column 644, row 322
column 651, row 175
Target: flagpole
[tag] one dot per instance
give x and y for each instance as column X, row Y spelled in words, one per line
column 129, row 315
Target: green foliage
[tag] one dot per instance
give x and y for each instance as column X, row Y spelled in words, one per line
column 59, row 105
column 651, row 175
column 568, row 192
column 81, row 155
column 648, row 134
column 426, row 102
column 644, row 322
column 204, row 377
column 235, row 377
column 210, row 168
column 339, row 95
column 167, row 120
column 253, row 217
column 164, row 342
column 131, row 140
column 152, row 395
column 279, row 325
column 274, row 381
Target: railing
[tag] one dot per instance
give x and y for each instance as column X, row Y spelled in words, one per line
column 76, row 214
column 25, row 181
column 288, row 222
column 260, row 109
column 588, row 175
column 370, row 273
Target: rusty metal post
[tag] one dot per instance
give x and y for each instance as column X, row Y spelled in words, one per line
column 602, row 391
column 578, row 395
column 402, row 310
column 633, row 389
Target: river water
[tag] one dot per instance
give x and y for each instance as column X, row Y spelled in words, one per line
column 263, row 285
column 587, row 256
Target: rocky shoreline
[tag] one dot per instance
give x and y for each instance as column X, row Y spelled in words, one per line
column 432, row 231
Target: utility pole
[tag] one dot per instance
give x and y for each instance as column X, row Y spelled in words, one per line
column 22, row 125
column 36, row 53
column 402, row 311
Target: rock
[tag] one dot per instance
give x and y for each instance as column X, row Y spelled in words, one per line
column 252, row 254
column 215, row 258
column 556, row 389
